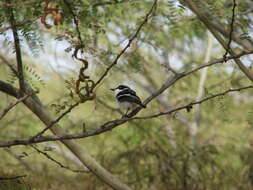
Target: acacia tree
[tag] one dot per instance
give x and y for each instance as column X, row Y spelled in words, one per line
column 147, row 35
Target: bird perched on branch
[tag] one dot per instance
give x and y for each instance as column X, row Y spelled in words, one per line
column 127, row 98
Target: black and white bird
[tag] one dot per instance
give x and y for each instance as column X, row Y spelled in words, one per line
column 127, row 98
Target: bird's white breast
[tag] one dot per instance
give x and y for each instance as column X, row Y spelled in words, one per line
column 126, row 105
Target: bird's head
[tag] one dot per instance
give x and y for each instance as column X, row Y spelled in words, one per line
column 119, row 88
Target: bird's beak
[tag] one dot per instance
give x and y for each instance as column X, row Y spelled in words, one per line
column 112, row 89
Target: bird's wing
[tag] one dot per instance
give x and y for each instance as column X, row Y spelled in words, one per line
column 129, row 98
column 127, row 91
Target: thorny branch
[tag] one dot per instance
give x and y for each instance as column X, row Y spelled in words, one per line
column 128, row 44
column 231, row 29
column 112, row 124
column 57, row 162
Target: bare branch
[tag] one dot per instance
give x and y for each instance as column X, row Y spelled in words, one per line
column 189, row 106
column 56, row 120
column 37, row 108
column 231, row 29
column 215, row 23
column 57, row 162
column 6, row 110
column 112, row 124
column 212, row 29
column 221, row 60
column 128, row 44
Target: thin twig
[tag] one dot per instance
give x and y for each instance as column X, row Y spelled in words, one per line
column 57, row 162
column 189, row 106
column 221, row 60
column 214, row 29
column 128, row 44
column 56, row 120
column 6, row 110
column 231, row 30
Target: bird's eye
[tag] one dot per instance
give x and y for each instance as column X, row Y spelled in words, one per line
column 121, row 87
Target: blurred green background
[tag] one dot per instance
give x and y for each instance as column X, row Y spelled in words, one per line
column 209, row 147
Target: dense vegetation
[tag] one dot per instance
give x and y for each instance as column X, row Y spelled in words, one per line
column 156, row 47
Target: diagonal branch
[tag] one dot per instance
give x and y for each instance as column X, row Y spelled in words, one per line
column 112, row 124
column 6, row 110
column 78, row 151
column 193, row 7
column 189, row 106
column 57, row 162
column 210, row 27
column 128, row 44
column 55, row 121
